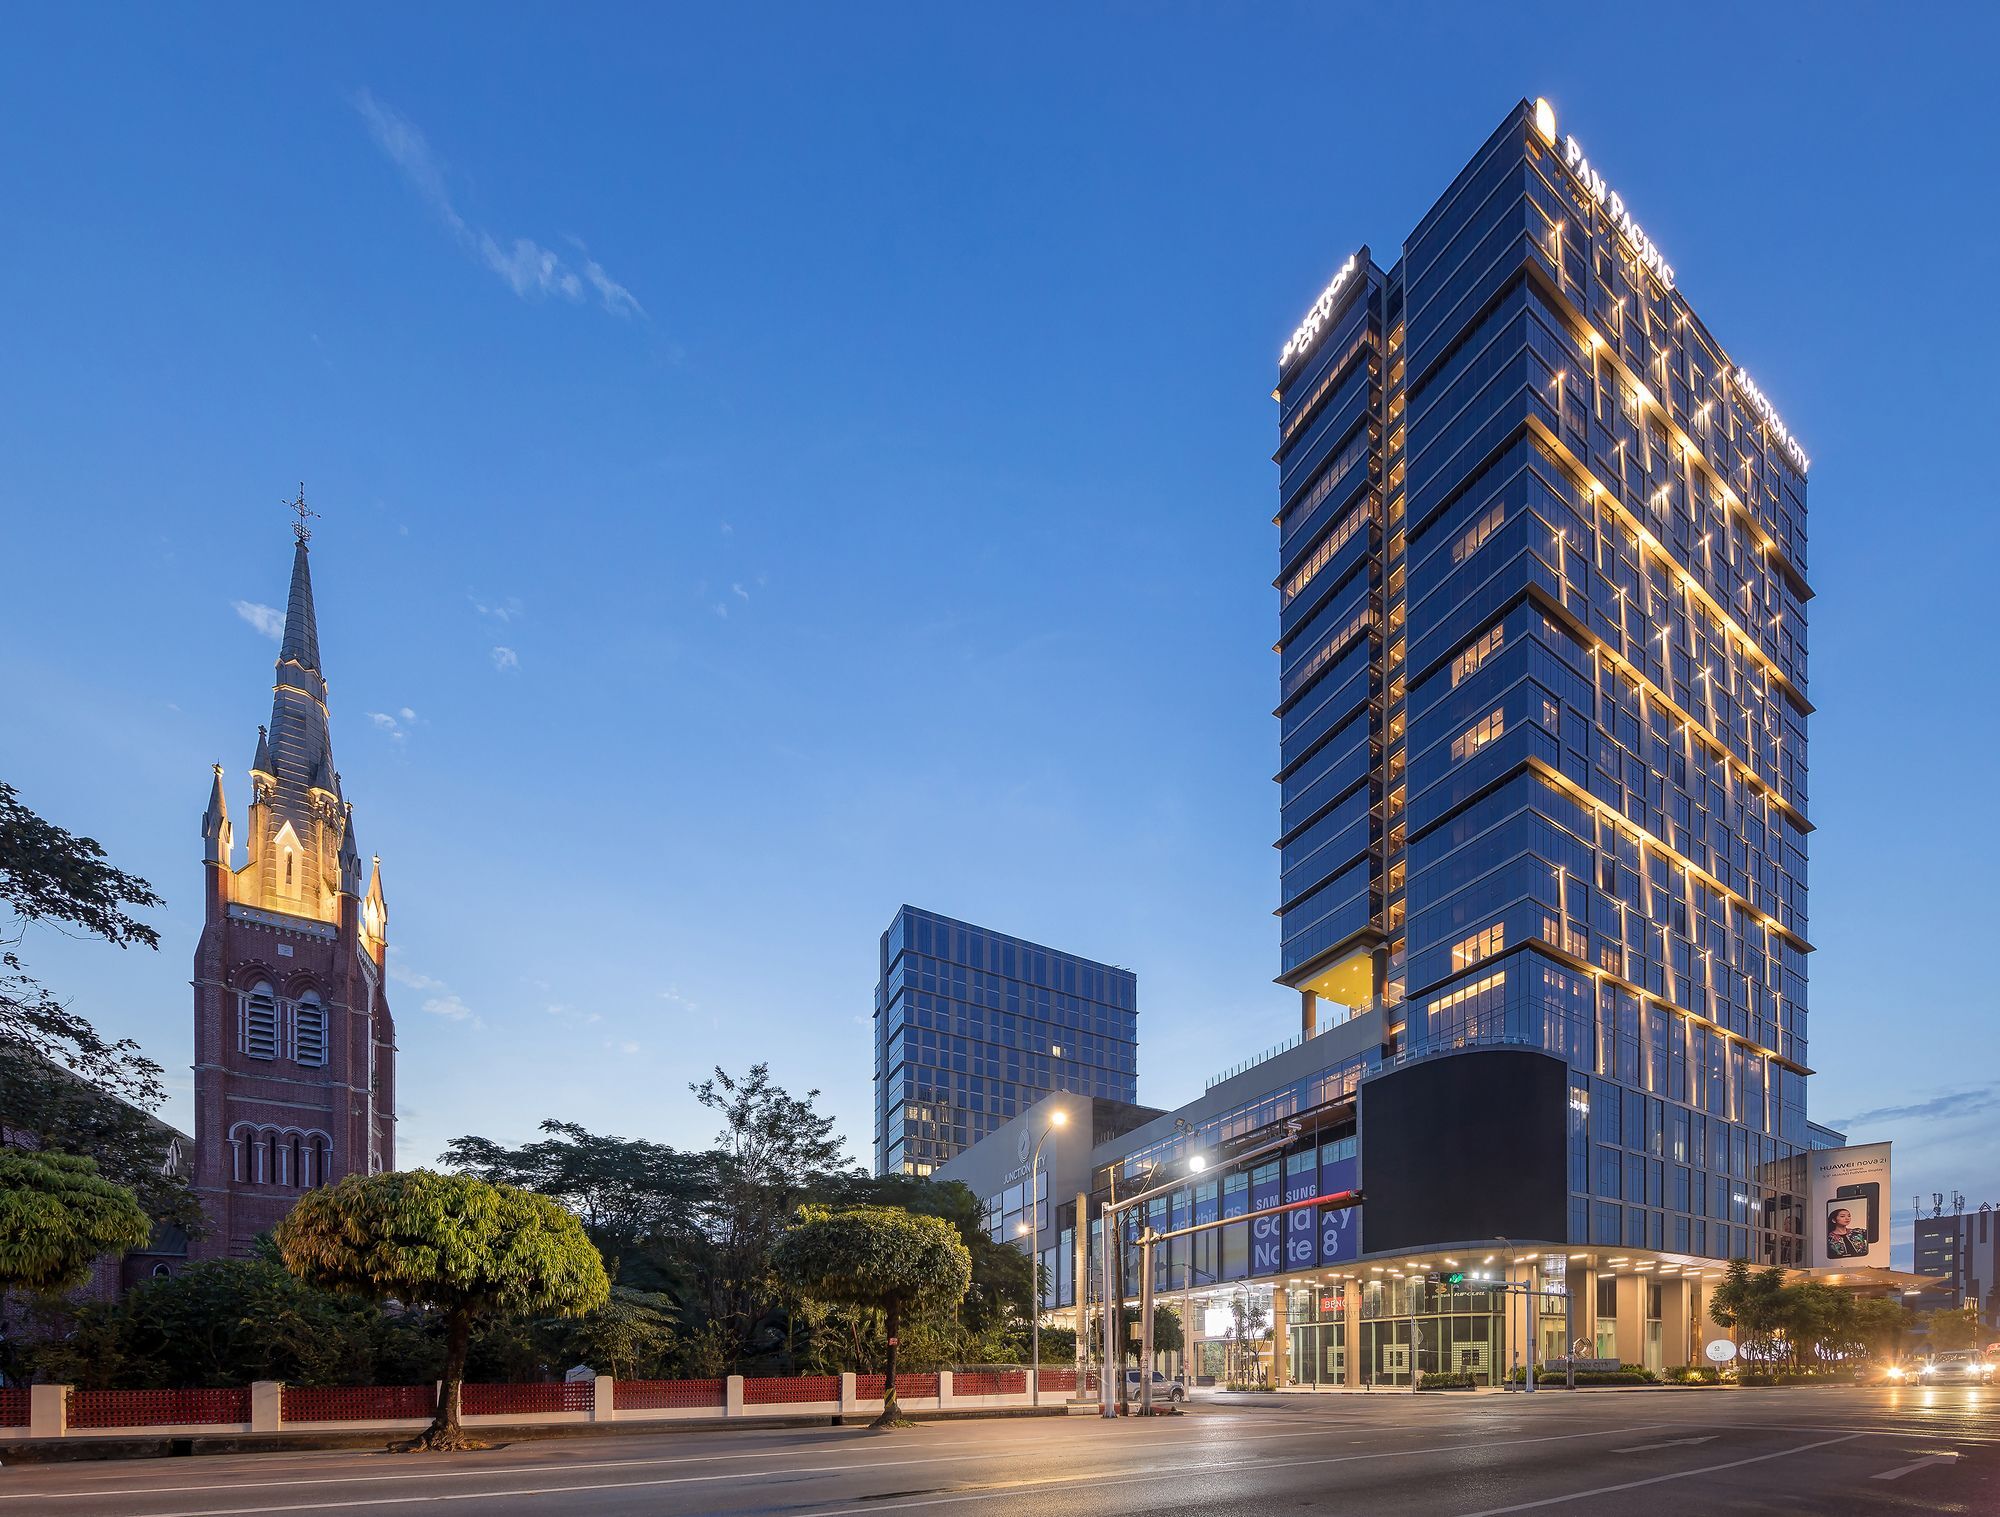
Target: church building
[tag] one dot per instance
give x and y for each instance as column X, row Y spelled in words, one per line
column 295, row 1049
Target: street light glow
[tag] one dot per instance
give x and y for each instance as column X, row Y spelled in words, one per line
column 1197, row 1163
column 1058, row 1117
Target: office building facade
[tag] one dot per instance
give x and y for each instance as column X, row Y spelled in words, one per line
column 1542, row 705
column 972, row 1027
column 1543, row 690
column 1962, row 1249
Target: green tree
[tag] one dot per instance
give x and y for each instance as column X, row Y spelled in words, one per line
column 58, row 1215
column 626, row 1191
column 775, row 1150
column 1953, row 1327
column 462, row 1246
column 1750, row 1304
column 63, row 1087
column 1880, row 1325
column 876, row 1256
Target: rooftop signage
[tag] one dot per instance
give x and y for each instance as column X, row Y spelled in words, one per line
column 1768, row 414
column 1613, row 203
column 1317, row 313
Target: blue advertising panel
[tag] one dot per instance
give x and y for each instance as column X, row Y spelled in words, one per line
column 1300, row 1245
column 1207, row 1201
column 1267, row 1244
column 1339, row 1234
column 1235, row 1250
column 1337, row 1175
column 1264, row 1186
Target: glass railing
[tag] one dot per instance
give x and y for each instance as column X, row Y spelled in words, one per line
column 1327, row 1024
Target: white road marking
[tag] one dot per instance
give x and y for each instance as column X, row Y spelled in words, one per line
column 1155, row 1476
column 1902, row 1470
column 1671, row 1443
column 968, row 1449
column 1633, row 1485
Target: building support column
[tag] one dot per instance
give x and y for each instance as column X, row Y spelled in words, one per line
column 1308, row 1013
column 1280, row 1337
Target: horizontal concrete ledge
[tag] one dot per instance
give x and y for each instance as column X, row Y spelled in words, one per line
column 157, row 1444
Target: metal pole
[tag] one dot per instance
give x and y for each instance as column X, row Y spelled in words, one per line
column 1146, row 1323
column 1569, row 1333
column 1534, row 1322
column 1035, row 1273
column 1108, row 1222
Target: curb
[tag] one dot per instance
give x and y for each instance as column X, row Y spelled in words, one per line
column 77, row 1450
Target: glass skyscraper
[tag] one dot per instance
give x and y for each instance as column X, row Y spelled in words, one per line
column 1542, row 633
column 973, row 1027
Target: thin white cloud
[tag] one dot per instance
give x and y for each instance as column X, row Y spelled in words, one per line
column 440, row 1000
column 673, row 997
column 396, row 727
column 450, row 1007
column 529, row 269
column 500, row 610
column 740, row 591
column 268, row 620
column 505, row 659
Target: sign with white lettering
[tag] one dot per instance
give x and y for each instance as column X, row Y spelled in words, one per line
column 1316, row 314
column 1266, row 1245
column 1615, row 209
column 1767, row 413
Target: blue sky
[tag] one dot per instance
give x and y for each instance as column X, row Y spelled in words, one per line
column 784, row 462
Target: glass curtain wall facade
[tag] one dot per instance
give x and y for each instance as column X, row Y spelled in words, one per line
column 973, row 1027
column 1542, row 692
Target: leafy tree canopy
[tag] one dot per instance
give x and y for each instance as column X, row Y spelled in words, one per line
column 454, row 1242
column 448, row 1241
column 57, row 1216
column 874, row 1256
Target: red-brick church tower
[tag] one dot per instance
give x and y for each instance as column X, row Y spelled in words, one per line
column 295, row 1050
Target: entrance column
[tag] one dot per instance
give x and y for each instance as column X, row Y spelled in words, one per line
column 1280, row 1336
column 1350, row 1297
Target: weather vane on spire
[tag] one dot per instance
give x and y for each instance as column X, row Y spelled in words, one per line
column 303, row 512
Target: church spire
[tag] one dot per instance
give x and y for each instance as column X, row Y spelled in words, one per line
column 215, row 836
column 301, row 644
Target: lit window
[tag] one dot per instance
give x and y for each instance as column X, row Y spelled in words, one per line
column 1476, row 737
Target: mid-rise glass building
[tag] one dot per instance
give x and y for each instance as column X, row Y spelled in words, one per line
column 973, row 1027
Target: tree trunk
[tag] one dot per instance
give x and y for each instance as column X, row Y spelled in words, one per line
column 445, row 1431
column 892, row 1415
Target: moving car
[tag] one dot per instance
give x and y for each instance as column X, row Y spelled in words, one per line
column 1958, row 1367
column 1163, row 1388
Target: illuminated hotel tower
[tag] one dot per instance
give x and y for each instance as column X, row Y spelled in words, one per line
column 1542, row 637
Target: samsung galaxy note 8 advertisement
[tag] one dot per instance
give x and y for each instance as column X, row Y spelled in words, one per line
column 1847, row 1221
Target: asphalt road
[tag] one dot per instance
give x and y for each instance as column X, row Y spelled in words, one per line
column 1795, row 1450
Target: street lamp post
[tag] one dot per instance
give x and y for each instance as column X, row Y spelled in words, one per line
column 1057, row 1118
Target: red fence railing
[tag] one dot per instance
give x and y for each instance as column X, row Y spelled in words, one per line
column 908, row 1387
column 781, row 1390
column 989, row 1383
column 652, row 1395
column 1058, row 1380
column 157, row 1408
column 549, row 1396
column 14, row 1406
column 356, row 1403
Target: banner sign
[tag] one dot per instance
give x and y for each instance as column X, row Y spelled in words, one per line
column 1847, row 1216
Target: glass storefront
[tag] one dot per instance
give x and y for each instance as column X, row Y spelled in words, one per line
column 1316, row 1319
column 1414, row 1324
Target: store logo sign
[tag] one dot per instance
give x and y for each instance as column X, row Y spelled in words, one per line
column 1316, row 314
column 1614, row 207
